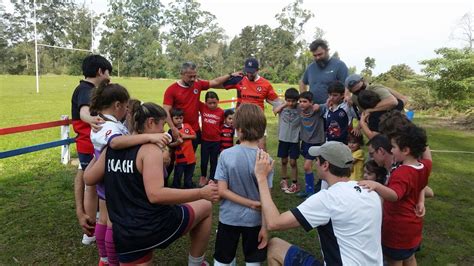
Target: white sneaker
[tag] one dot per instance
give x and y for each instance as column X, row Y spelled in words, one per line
column 87, row 240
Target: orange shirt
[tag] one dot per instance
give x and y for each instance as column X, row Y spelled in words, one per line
column 185, row 152
column 255, row 92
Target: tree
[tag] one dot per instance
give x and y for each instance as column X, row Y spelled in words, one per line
column 369, row 65
column 319, row 33
column 465, row 30
column 451, row 75
column 399, row 72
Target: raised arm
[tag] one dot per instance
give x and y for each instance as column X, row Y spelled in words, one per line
column 169, row 121
column 219, row 82
column 385, row 192
column 385, row 104
column 272, row 217
column 364, row 127
column 125, row 141
column 94, row 121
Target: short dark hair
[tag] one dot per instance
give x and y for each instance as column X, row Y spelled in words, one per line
column 251, row 121
column 380, row 172
column 412, row 137
column 141, row 112
column 318, row 43
column 176, row 112
column 336, row 87
column 391, row 122
column 368, row 99
column 186, row 66
column 228, row 112
column 335, row 170
column 92, row 63
column 352, row 138
column 292, row 94
column 307, row 95
column 380, row 141
column 104, row 96
column 211, row 95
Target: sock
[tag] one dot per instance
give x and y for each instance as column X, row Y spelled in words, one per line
column 100, row 230
column 193, row 261
column 232, row 263
column 110, row 247
column 309, row 178
column 253, row 263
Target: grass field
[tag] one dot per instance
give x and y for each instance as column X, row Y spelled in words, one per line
column 37, row 216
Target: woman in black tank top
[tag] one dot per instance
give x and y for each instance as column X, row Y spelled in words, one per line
column 145, row 214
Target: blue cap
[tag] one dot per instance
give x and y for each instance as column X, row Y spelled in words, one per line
column 352, row 80
column 251, row 65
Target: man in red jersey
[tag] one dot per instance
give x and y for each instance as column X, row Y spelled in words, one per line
column 185, row 93
column 254, row 89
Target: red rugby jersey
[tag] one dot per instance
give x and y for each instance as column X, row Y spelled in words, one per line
column 211, row 121
column 255, row 92
column 187, row 99
column 185, row 153
column 227, row 137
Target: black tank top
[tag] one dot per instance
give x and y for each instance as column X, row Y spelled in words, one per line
column 137, row 223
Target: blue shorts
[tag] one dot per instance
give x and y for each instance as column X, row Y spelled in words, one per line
column 399, row 254
column 85, row 159
column 288, row 149
column 296, row 257
column 146, row 255
column 305, row 147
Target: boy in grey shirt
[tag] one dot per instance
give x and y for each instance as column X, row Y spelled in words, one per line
column 311, row 134
column 239, row 212
column 289, row 124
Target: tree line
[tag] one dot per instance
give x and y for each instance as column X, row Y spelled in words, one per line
column 147, row 39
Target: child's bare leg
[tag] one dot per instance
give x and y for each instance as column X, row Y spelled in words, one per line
column 411, row 261
column 277, row 249
column 294, row 170
column 201, row 227
column 103, row 217
column 90, row 201
column 394, row 262
column 284, row 167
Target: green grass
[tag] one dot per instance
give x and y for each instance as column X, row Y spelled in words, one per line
column 37, row 217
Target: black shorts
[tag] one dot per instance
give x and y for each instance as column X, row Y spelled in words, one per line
column 305, row 147
column 399, row 254
column 288, row 149
column 227, row 240
column 84, row 159
column 145, row 255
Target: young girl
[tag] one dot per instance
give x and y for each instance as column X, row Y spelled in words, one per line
column 145, row 214
column 110, row 103
column 212, row 118
column 355, row 142
column 374, row 172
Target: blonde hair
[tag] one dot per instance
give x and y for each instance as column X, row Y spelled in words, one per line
column 251, row 121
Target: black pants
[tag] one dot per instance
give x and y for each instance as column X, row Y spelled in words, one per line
column 209, row 150
column 188, row 171
column 197, row 140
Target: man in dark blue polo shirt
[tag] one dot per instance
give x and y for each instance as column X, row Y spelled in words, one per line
column 320, row 73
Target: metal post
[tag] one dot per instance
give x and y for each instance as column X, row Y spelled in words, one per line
column 65, row 154
column 36, row 48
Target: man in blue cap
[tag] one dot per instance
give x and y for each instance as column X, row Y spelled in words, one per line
column 253, row 88
column 320, row 73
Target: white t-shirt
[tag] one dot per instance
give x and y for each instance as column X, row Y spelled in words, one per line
column 110, row 129
column 349, row 221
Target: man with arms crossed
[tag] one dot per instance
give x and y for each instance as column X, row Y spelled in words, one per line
column 348, row 218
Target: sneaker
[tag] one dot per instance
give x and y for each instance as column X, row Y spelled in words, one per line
column 295, row 187
column 203, row 181
column 204, row 263
column 103, row 262
column 87, row 240
column 284, row 185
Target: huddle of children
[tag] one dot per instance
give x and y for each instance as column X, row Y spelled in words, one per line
column 139, row 213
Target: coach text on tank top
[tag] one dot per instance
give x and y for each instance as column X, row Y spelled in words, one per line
column 138, row 224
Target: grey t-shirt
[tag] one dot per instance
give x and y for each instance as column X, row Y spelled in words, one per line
column 319, row 78
column 312, row 126
column 289, row 124
column 236, row 167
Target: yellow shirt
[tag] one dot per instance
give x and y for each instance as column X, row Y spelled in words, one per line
column 358, row 165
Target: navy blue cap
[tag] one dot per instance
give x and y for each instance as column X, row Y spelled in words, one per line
column 352, row 80
column 251, row 65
